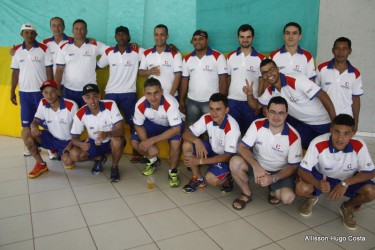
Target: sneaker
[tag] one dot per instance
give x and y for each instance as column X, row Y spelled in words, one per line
column 348, row 217
column 26, row 152
column 52, row 154
column 174, row 180
column 227, row 187
column 98, row 165
column 38, row 169
column 151, row 167
column 306, row 208
column 115, row 174
column 193, row 185
column 144, row 160
column 135, row 158
column 69, row 167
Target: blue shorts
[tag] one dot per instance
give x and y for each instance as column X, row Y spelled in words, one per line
column 153, row 129
column 52, row 143
column 221, row 169
column 29, row 102
column 74, row 96
column 242, row 113
column 194, row 110
column 126, row 103
column 351, row 191
column 101, row 150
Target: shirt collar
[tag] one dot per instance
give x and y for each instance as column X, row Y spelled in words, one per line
column 148, row 105
column 167, row 49
column 222, row 126
column 285, row 129
column 331, row 66
column 72, row 41
column 253, row 51
column 332, row 149
column 62, row 104
column 35, row 45
column 283, row 50
column 208, row 53
column 128, row 49
column 101, row 106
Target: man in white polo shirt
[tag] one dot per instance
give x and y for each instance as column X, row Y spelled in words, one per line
column 204, row 72
column 162, row 63
column 76, row 60
column 341, row 80
column 104, row 125
column 274, row 159
column 340, row 165
column 57, row 113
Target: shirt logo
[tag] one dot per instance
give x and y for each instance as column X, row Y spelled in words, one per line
column 328, row 83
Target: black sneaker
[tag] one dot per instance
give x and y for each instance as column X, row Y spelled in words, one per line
column 115, row 174
column 227, row 187
column 98, row 165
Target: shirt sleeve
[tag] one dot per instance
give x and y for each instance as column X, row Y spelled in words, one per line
column 115, row 114
column 250, row 136
column 357, row 86
column 177, row 63
column 311, row 157
column 39, row 114
column 143, row 64
column 295, row 151
column 77, row 127
column 308, row 87
column 60, row 58
column 365, row 163
column 310, row 68
column 101, row 48
column 222, row 65
column 14, row 64
column 265, row 97
column 174, row 115
column 199, row 127
column 103, row 61
column 139, row 118
column 185, row 69
column 231, row 140
column 48, row 61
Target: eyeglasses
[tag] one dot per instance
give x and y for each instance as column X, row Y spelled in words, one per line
column 281, row 113
column 270, row 70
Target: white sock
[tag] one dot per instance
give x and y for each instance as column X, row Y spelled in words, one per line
column 153, row 159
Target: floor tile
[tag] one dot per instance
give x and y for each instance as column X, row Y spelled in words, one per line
column 14, row 161
column 82, row 176
column 48, row 181
column 14, row 173
column 23, row 245
column 13, row 188
column 151, row 246
column 272, row 246
column 95, row 192
column 178, row 196
column 52, row 199
column 133, row 186
column 15, row 205
column 15, row 229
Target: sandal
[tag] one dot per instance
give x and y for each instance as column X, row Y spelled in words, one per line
column 272, row 198
column 241, row 203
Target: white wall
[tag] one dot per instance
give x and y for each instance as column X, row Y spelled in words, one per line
column 355, row 20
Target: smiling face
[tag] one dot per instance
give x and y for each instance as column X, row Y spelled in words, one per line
column 153, row 95
column 92, row 101
column 270, row 73
column 245, row 38
column 51, row 94
column 160, row 37
column 341, row 135
column 218, row 111
column 79, row 31
column 276, row 115
column 57, row 27
column 199, row 43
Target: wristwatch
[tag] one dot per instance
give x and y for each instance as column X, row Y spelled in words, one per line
column 275, row 178
column 343, row 183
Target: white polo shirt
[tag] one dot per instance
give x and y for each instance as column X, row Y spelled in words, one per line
column 341, row 165
column 105, row 120
column 301, row 62
column 167, row 115
column 300, row 93
column 123, row 69
column 168, row 62
column 273, row 152
column 223, row 138
column 59, row 122
column 80, row 63
column 203, row 74
column 340, row 87
column 241, row 67
column 31, row 65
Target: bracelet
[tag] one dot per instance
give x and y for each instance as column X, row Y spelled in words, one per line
column 344, row 184
column 200, row 161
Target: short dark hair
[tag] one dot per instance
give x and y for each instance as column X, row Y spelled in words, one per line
column 246, row 27
column 278, row 100
column 293, row 24
column 151, row 82
column 56, row 17
column 343, row 39
column 159, row 26
column 219, row 97
column 343, row 119
column 80, row 21
column 267, row 61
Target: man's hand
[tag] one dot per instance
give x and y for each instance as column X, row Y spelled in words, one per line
column 154, row 70
column 35, row 131
column 248, row 88
column 191, row 161
column 265, row 180
column 85, row 145
column 13, row 98
column 324, row 185
column 260, row 174
column 200, row 149
column 173, row 48
column 337, row 193
column 146, row 144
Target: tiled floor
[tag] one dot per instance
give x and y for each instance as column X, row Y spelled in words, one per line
column 73, row 209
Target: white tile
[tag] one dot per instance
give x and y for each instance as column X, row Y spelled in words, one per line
column 121, row 234
column 240, row 233
column 15, row 229
column 209, row 213
column 81, row 175
column 133, row 186
column 76, row 239
column 52, row 199
column 194, row 240
column 167, row 224
column 95, row 192
column 13, row 188
column 57, row 221
column 105, row 211
column 178, row 196
column 13, row 206
column 22, row 245
column 14, row 161
column 151, row 246
column 272, row 246
column 14, row 173
column 48, row 181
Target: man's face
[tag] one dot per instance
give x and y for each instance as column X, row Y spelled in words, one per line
column 245, row 38
column 291, row 36
column 341, row 136
column 153, row 95
column 51, row 94
column 276, row 115
column 92, row 101
column 199, row 43
column 122, row 38
column 218, row 111
column 341, row 51
column 79, row 31
column 160, row 37
column 270, row 73
column 29, row 36
column 57, row 27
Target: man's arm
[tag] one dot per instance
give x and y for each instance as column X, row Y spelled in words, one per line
column 49, row 72
column 253, row 103
column 58, row 74
column 15, row 77
column 356, row 106
column 327, row 103
column 308, row 178
column 248, row 156
column 182, row 92
column 176, row 83
column 118, row 131
column 223, row 84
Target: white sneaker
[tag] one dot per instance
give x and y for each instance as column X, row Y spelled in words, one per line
column 26, row 152
column 52, row 154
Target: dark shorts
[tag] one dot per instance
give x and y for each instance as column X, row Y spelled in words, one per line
column 288, row 182
column 52, row 143
column 29, row 102
column 125, row 102
column 74, row 96
column 101, row 150
column 242, row 113
column 153, row 129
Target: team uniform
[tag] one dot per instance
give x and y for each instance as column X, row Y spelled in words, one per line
column 121, row 85
column 240, row 68
column 306, row 112
column 323, row 159
column 59, row 124
column 32, row 73
column 105, row 120
column 340, row 87
column 301, row 62
column 80, row 64
column 169, row 63
column 222, row 139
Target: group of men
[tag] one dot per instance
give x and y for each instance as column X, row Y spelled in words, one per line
column 223, row 98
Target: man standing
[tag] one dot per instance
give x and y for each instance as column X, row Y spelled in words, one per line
column 243, row 63
column 224, row 133
column 341, row 80
column 162, row 63
column 157, row 118
column 105, row 129
column 58, row 115
column 32, row 65
column 276, row 153
column 76, row 60
column 340, row 165
column 204, row 73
